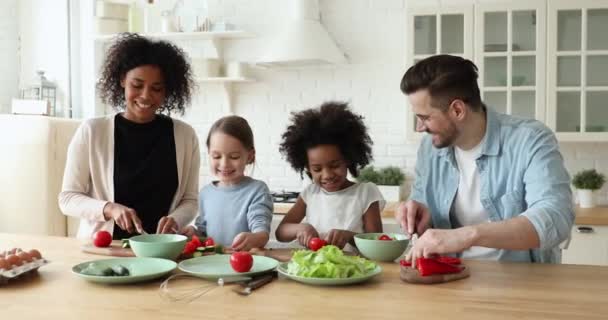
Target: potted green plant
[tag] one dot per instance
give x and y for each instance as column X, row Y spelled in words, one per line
column 586, row 182
column 388, row 179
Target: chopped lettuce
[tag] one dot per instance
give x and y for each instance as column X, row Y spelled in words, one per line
column 328, row 262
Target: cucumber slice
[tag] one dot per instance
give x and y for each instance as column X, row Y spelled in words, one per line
column 197, row 254
column 125, row 243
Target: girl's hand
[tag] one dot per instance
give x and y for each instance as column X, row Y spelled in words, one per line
column 167, row 225
column 339, row 238
column 125, row 217
column 242, row 241
column 188, row 231
column 305, row 233
column 246, row 241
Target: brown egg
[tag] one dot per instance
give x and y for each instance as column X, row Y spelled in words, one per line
column 14, row 260
column 25, row 257
column 5, row 265
column 35, row 254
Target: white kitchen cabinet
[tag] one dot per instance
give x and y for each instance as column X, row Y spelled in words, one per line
column 540, row 59
column 510, row 52
column 578, row 69
column 589, row 245
column 436, row 30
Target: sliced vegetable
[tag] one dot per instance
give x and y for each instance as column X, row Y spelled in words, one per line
column 449, row 260
column 431, row 266
column 209, row 242
column 126, row 244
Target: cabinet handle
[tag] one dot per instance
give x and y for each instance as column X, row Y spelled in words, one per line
column 585, row 230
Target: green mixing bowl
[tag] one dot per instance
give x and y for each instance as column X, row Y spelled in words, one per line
column 381, row 250
column 166, row 246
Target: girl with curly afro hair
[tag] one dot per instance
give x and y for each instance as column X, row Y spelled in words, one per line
column 327, row 143
column 136, row 171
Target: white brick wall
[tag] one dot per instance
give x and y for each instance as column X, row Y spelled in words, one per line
column 9, row 46
column 372, row 33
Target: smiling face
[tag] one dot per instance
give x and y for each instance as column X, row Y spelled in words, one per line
column 328, row 167
column 228, row 158
column 432, row 120
column 144, row 93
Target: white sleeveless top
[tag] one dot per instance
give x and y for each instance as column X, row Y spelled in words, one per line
column 341, row 209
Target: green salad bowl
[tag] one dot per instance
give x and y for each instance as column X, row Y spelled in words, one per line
column 166, row 246
column 381, row 250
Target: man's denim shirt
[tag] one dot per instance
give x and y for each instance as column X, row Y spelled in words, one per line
column 521, row 173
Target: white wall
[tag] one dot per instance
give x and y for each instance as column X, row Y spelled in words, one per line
column 9, row 58
column 371, row 32
column 43, row 26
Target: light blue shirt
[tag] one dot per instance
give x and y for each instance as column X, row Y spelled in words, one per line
column 224, row 212
column 521, row 173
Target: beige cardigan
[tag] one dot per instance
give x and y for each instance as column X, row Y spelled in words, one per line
column 88, row 181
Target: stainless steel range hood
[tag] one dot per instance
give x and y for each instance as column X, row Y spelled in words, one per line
column 304, row 41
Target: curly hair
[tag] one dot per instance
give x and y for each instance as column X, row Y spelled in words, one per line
column 332, row 123
column 130, row 51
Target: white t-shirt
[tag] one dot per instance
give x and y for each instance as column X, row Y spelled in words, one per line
column 467, row 209
column 341, row 209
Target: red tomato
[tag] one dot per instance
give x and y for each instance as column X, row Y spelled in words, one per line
column 196, row 241
column 316, row 243
column 385, row 237
column 209, row 242
column 102, row 239
column 241, row 261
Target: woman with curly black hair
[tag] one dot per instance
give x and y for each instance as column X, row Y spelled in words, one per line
column 327, row 143
column 136, row 171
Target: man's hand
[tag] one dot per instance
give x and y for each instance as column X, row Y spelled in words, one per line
column 442, row 241
column 413, row 217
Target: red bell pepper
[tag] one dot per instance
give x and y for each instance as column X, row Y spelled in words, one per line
column 431, row 266
column 449, row 260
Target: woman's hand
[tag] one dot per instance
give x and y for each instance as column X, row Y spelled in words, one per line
column 339, row 238
column 305, row 233
column 189, row 231
column 125, row 217
column 167, row 225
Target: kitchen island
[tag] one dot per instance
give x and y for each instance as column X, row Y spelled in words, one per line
column 493, row 291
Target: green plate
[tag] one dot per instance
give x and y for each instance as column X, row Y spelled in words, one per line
column 329, row 281
column 140, row 269
column 218, row 266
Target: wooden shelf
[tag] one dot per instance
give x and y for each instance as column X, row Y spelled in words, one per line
column 224, row 79
column 207, row 35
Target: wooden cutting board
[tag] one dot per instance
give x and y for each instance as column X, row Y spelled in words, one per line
column 411, row 275
column 114, row 250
